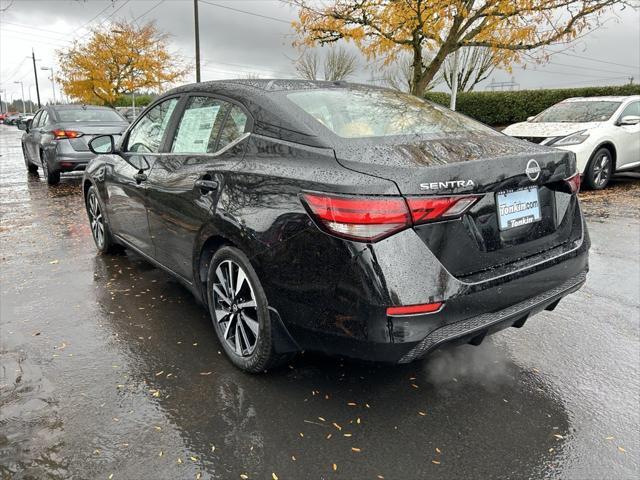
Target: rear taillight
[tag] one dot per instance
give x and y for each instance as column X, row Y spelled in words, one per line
column 59, row 134
column 574, row 183
column 373, row 218
column 359, row 218
column 415, row 309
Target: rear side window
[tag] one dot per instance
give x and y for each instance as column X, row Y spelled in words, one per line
column 200, row 125
column 234, row 127
column 44, row 119
column 146, row 136
column 36, row 119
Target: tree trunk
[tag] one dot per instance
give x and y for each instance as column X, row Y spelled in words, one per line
column 425, row 76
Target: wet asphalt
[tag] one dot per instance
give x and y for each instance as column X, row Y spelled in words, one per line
column 109, row 369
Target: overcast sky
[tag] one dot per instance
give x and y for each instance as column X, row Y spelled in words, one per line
column 235, row 43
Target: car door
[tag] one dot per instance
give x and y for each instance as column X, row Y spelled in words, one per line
column 29, row 142
column 628, row 137
column 185, row 185
column 127, row 179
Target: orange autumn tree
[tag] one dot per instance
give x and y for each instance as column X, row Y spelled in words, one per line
column 117, row 60
column 385, row 28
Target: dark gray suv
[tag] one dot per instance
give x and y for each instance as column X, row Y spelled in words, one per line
column 57, row 137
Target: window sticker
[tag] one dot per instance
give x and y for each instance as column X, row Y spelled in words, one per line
column 195, row 129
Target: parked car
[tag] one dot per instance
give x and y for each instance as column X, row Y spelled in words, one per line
column 57, row 137
column 12, row 118
column 23, row 119
column 129, row 113
column 4, row 115
column 340, row 218
column 603, row 132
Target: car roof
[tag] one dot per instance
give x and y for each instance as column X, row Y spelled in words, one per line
column 609, row 98
column 77, row 106
column 266, row 85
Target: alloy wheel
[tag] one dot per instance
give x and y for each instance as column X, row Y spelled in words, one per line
column 235, row 308
column 95, row 219
column 601, row 169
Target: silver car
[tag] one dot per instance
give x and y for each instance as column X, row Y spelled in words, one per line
column 57, row 138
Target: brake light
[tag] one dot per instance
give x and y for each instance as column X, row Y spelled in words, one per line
column 425, row 209
column 359, row 218
column 59, row 134
column 373, row 218
column 574, row 183
column 415, row 309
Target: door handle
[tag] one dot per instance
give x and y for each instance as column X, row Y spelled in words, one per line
column 206, row 186
column 140, row 177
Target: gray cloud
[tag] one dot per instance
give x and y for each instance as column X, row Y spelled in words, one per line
column 235, row 44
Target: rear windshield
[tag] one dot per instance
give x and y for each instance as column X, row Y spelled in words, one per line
column 363, row 113
column 578, row 112
column 89, row 115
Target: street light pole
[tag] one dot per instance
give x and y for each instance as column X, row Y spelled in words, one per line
column 197, row 31
column 30, row 101
column 53, row 81
column 24, row 110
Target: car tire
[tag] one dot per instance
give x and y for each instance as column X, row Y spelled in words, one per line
column 31, row 167
column 100, row 231
column 52, row 176
column 246, row 334
column 599, row 169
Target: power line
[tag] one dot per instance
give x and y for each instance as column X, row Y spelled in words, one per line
column 596, row 60
column 148, row 11
column 246, row 12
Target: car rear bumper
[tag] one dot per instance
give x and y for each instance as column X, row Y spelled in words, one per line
column 345, row 313
column 65, row 159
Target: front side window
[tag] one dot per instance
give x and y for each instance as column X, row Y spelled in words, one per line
column 199, row 126
column 234, row 127
column 44, row 119
column 146, row 136
column 578, row 112
column 364, row 113
column 36, row 119
column 631, row 109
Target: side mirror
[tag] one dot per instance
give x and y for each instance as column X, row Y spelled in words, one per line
column 102, row 144
column 530, row 118
column 629, row 120
column 22, row 125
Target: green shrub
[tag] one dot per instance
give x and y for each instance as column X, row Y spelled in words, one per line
column 142, row 100
column 505, row 108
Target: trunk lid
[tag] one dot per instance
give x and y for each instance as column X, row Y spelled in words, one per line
column 90, row 130
column 481, row 165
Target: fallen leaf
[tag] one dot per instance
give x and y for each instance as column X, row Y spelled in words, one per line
column 243, row 476
column 193, row 459
column 206, row 373
column 159, row 373
column 609, row 438
column 347, row 434
column 198, row 476
column 622, row 449
column 354, row 449
column 335, row 467
column 293, row 458
column 337, row 426
column 160, row 454
column 110, row 476
column 438, row 450
column 54, row 262
column 328, row 436
column 274, row 476
column 422, row 413
column 352, row 404
column 321, row 419
column 559, row 437
column 179, row 460
column 435, row 462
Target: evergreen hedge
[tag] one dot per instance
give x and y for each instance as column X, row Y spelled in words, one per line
column 505, row 108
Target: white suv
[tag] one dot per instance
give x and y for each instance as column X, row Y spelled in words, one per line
column 603, row 132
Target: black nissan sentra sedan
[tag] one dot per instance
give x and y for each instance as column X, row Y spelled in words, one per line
column 340, row 218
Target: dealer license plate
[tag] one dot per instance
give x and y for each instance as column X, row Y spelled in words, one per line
column 518, row 207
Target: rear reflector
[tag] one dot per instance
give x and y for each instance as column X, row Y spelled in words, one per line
column 574, row 183
column 374, row 218
column 60, row 134
column 415, row 309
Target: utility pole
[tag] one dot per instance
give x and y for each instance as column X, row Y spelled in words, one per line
column 35, row 74
column 454, row 81
column 53, row 81
column 1, row 94
column 197, row 30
